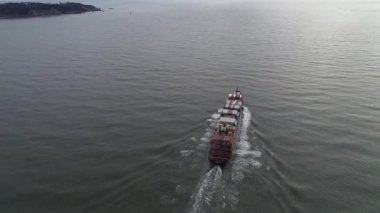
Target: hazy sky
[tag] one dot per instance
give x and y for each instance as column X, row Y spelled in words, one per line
column 373, row 5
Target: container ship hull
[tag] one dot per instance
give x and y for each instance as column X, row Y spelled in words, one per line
column 227, row 129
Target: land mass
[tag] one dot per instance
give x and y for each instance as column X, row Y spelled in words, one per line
column 34, row 9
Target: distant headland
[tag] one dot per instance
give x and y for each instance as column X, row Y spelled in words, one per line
column 34, row 9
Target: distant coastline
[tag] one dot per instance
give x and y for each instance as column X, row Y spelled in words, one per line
column 35, row 9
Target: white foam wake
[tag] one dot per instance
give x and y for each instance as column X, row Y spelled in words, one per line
column 245, row 157
column 205, row 194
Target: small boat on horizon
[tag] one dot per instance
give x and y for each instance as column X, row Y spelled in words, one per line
column 226, row 131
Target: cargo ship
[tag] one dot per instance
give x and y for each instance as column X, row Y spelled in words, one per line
column 226, row 130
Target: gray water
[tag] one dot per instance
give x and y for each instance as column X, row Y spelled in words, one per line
column 112, row 111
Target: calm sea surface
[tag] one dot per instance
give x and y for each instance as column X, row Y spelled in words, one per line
column 112, row 112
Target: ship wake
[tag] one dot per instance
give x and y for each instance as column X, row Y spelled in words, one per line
column 245, row 160
column 207, row 196
column 245, row 157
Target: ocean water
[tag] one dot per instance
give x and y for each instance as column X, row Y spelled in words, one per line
column 113, row 111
